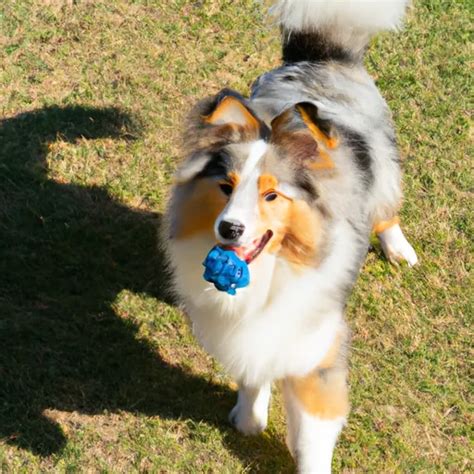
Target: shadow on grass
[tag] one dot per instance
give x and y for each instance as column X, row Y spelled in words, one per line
column 65, row 253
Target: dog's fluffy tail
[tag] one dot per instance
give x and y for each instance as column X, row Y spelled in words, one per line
column 321, row 30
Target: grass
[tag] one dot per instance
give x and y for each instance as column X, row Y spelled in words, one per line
column 98, row 372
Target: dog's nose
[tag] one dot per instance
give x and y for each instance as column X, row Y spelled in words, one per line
column 230, row 230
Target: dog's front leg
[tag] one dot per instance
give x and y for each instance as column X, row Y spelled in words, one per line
column 316, row 408
column 250, row 414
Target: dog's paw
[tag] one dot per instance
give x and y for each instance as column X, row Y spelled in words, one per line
column 396, row 247
column 247, row 420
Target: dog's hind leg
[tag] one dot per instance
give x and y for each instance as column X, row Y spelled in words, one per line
column 316, row 406
column 250, row 414
column 394, row 243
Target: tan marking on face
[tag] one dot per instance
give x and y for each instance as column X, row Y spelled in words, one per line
column 293, row 223
column 295, row 226
column 233, row 178
column 200, row 210
column 323, row 394
column 321, row 137
column 380, row 226
column 273, row 214
column 267, row 182
column 303, row 234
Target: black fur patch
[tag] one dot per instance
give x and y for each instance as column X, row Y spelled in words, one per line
column 304, row 182
column 265, row 131
column 361, row 149
column 392, row 138
column 217, row 166
column 313, row 47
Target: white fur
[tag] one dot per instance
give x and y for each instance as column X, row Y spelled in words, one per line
column 396, row 247
column 367, row 15
column 256, row 152
column 349, row 23
column 289, row 190
column 250, row 414
column 310, row 439
column 243, row 202
column 315, row 442
column 282, row 324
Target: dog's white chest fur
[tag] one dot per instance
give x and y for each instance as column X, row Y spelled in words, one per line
column 275, row 327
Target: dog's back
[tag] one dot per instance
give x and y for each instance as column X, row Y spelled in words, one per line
column 323, row 47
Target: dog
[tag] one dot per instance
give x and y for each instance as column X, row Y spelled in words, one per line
column 293, row 179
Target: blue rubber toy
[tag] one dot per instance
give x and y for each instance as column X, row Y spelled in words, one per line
column 226, row 270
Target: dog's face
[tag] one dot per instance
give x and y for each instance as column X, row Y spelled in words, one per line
column 250, row 188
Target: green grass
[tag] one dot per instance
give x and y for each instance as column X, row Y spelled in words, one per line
column 98, row 371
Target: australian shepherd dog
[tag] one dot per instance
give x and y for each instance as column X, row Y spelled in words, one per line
column 294, row 179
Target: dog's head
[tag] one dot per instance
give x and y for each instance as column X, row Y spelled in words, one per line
column 250, row 186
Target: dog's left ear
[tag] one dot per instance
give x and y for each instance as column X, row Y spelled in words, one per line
column 229, row 108
column 213, row 124
column 305, row 136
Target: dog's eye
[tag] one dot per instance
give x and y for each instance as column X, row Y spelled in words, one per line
column 226, row 188
column 270, row 196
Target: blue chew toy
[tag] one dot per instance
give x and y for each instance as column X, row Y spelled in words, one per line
column 226, row 270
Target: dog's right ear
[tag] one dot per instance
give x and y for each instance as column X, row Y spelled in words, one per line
column 229, row 108
column 213, row 124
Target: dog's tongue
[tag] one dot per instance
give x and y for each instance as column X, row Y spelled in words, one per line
column 251, row 251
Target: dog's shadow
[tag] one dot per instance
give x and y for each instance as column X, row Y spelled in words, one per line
column 65, row 253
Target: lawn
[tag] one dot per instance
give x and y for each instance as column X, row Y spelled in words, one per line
column 98, row 371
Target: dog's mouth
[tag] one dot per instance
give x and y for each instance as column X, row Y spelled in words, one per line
column 251, row 251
